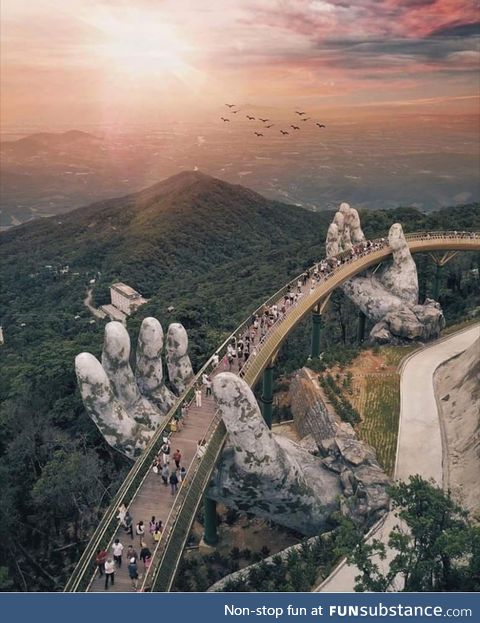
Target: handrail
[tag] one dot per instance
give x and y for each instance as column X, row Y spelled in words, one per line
column 84, row 571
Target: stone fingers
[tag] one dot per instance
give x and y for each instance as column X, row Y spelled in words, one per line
column 401, row 276
column 149, row 368
column 180, row 371
column 344, row 231
column 116, row 425
column 272, row 477
column 332, row 244
column 353, row 228
column 116, row 363
column 253, row 442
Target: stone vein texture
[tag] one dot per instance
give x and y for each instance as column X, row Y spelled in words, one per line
column 127, row 408
column 274, row 477
column 390, row 297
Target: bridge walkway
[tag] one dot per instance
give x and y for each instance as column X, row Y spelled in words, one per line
column 154, row 498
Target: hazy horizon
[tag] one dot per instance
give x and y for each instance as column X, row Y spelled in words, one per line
column 395, row 83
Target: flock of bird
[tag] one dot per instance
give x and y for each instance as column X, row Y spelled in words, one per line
column 301, row 114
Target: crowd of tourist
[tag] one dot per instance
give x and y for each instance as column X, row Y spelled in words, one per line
column 109, row 563
column 168, row 465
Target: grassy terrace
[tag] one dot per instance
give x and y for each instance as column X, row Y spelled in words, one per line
column 375, row 393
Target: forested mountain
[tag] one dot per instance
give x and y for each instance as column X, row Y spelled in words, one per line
column 211, row 250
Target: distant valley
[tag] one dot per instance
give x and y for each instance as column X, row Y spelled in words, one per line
column 375, row 166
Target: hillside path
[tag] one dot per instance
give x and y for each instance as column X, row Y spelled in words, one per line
column 419, row 449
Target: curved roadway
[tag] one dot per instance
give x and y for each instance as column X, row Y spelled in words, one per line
column 419, row 448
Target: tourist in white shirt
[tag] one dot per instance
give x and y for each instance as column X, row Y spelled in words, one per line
column 117, row 550
column 109, row 572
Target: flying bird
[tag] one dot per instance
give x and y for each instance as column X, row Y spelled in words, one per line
column 258, row 133
column 300, row 113
column 230, row 105
column 283, row 132
column 235, row 111
column 223, row 119
column 264, row 120
column 270, row 126
column 320, row 125
column 295, row 127
column 251, row 118
column 305, row 118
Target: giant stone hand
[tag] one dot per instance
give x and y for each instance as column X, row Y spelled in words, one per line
column 128, row 408
column 390, row 297
column 274, row 477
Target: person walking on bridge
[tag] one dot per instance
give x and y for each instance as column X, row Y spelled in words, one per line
column 133, row 572
column 131, row 553
column 177, row 457
column 198, row 397
column 122, row 511
column 174, row 482
column 128, row 523
column 208, row 387
column 109, row 572
column 158, row 531
column 117, row 550
column 100, row 560
column 140, row 530
column 152, row 525
column 165, row 451
column 165, row 474
column 145, row 556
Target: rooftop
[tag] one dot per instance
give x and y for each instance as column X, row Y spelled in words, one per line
column 125, row 290
column 113, row 313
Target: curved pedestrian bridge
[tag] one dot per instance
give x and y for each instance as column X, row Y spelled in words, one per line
column 143, row 491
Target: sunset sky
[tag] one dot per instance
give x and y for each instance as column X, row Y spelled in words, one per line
column 150, row 60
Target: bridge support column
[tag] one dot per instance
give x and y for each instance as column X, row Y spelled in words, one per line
column 210, row 536
column 439, row 264
column 267, row 394
column 361, row 327
column 316, row 332
column 436, row 283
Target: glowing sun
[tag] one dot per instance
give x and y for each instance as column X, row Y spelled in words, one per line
column 139, row 45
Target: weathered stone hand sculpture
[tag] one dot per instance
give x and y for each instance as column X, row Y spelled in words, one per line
column 128, row 408
column 274, row 477
column 390, row 297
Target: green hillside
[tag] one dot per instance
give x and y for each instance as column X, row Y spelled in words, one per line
column 211, row 250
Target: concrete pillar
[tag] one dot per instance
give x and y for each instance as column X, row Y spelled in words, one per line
column 361, row 327
column 436, row 283
column 316, row 333
column 210, row 535
column 267, row 395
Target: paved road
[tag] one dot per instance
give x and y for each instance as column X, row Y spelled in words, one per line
column 419, row 448
column 87, row 301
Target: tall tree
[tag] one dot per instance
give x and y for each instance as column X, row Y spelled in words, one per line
column 434, row 545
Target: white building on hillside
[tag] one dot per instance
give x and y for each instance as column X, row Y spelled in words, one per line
column 125, row 301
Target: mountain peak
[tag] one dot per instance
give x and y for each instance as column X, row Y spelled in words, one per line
column 190, row 184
